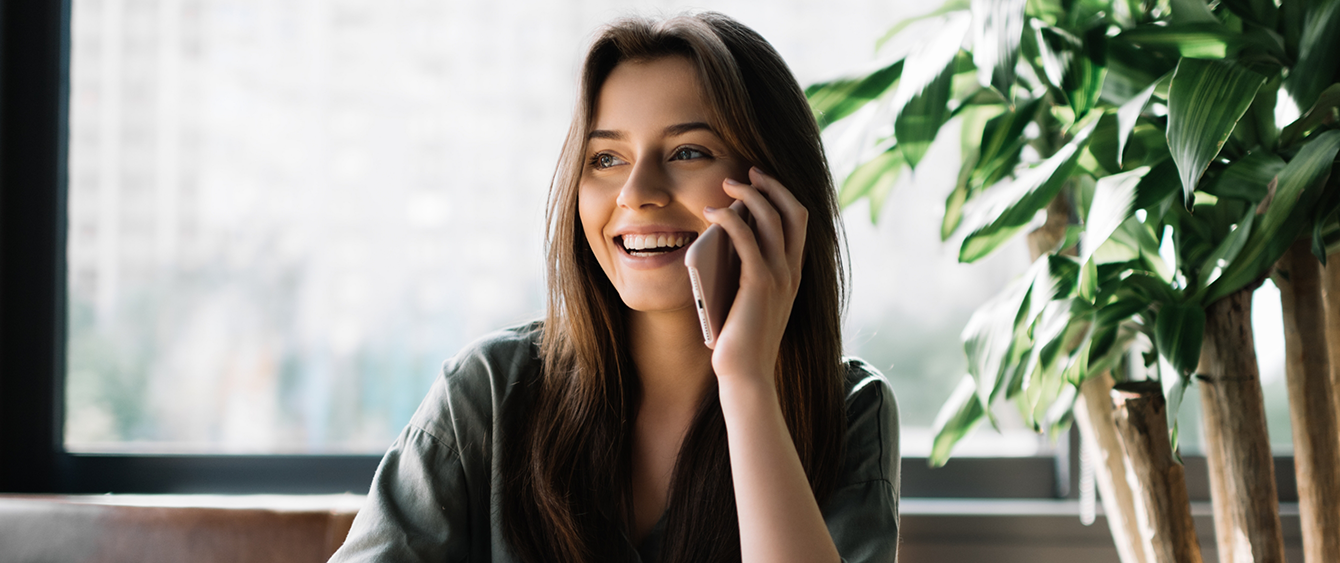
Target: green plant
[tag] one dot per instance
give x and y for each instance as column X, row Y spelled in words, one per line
column 1147, row 132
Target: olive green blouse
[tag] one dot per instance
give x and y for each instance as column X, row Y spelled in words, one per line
column 437, row 494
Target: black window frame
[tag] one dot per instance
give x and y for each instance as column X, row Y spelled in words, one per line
column 34, row 93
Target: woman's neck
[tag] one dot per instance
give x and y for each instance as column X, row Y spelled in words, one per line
column 676, row 370
column 672, row 362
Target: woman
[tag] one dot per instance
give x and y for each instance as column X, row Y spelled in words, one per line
column 609, row 431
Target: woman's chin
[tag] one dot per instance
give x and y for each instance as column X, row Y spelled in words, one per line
column 644, row 301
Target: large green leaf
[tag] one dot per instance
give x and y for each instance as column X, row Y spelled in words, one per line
column 1048, row 339
column 837, row 99
column 1326, row 227
column 948, row 7
column 1002, row 141
column 1297, row 188
column 1318, row 54
column 1084, row 82
column 1113, row 202
column 954, row 206
column 1137, row 235
column 1058, row 280
column 1004, row 209
column 1174, row 391
column 1248, row 177
column 1055, row 351
column 1178, row 331
column 1100, row 157
column 1227, row 251
column 974, row 122
column 1059, row 414
column 1149, row 285
column 1054, row 47
column 998, row 26
column 989, row 337
column 1205, row 100
column 921, row 117
column 959, row 415
column 1326, row 221
column 1262, row 130
column 1291, row 19
column 1129, row 113
column 1192, row 11
column 1113, row 349
column 1325, row 112
column 1261, row 12
column 1130, row 69
column 1198, row 40
column 1156, row 186
column 929, row 61
column 923, row 90
column 1049, row 11
column 873, row 179
column 1058, row 356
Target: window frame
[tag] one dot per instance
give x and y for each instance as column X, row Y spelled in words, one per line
column 34, row 93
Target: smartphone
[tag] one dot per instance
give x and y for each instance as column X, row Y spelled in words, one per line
column 714, row 272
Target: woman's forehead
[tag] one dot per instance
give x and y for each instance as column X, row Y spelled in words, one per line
column 651, row 94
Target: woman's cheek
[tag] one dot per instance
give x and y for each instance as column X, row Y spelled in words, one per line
column 594, row 216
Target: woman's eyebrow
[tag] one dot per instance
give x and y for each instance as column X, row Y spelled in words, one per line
column 682, row 128
column 671, row 131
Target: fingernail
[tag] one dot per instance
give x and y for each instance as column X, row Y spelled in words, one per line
column 709, row 209
column 733, row 182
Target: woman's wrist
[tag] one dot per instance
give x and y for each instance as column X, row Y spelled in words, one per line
column 749, row 391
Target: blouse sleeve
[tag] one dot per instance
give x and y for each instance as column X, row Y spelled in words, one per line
column 415, row 509
column 432, row 496
column 862, row 514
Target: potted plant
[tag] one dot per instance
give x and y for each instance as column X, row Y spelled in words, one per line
column 1149, row 136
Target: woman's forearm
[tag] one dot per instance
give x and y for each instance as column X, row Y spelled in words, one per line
column 779, row 518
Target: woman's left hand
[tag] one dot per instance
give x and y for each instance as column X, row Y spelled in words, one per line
column 779, row 518
column 771, row 256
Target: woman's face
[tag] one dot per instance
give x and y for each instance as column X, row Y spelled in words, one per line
column 652, row 164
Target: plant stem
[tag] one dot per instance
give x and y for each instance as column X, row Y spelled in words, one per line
column 1242, row 471
column 1162, row 506
column 1093, row 417
column 1331, row 295
column 1311, row 402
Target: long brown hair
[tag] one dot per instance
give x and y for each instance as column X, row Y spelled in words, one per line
column 566, row 459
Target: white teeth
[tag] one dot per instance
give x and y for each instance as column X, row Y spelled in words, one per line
column 659, row 240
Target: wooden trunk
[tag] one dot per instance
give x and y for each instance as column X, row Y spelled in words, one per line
column 1237, row 448
column 1331, row 293
column 1311, row 402
column 1093, row 417
column 1158, row 482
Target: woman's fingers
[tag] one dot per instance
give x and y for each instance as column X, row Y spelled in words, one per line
column 741, row 236
column 768, row 226
column 794, row 215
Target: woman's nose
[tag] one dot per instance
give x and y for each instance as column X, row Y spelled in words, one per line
column 646, row 185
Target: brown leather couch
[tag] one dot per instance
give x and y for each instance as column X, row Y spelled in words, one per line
column 173, row 528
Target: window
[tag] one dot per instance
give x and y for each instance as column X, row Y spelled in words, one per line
column 269, row 204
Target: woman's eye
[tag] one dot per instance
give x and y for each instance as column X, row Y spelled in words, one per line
column 687, row 153
column 604, row 160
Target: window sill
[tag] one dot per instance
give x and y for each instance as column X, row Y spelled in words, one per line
column 1036, row 530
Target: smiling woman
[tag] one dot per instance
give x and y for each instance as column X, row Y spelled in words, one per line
column 655, row 166
column 609, row 431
